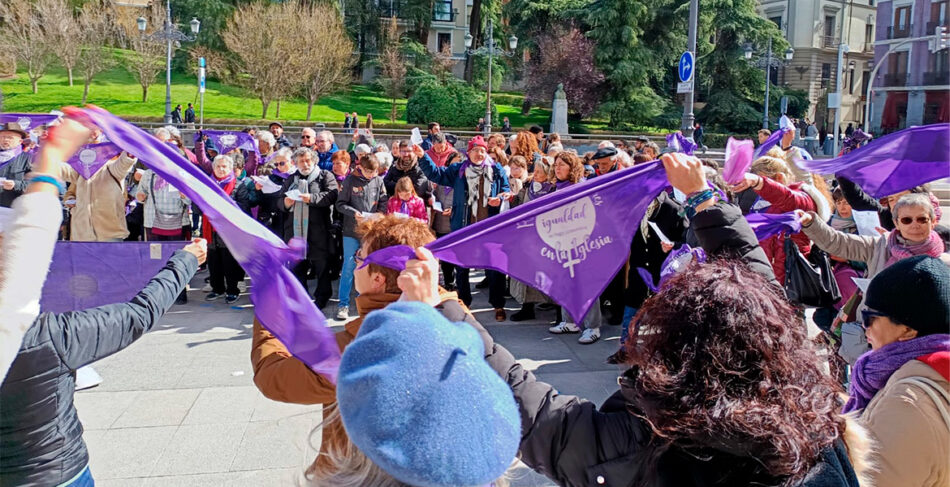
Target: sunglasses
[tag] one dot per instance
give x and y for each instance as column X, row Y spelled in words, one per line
column 867, row 317
column 923, row 220
column 306, row 137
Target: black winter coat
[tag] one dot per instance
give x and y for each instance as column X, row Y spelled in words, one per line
column 573, row 443
column 419, row 181
column 648, row 253
column 16, row 170
column 323, row 190
column 40, row 434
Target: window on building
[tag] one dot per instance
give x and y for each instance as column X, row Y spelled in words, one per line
column 444, row 40
column 897, row 62
column 442, row 11
column 938, row 16
column 902, row 21
column 830, row 25
column 825, row 74
column 865, row 79
column 851, row 81
column 777, row 20
column 869, row 34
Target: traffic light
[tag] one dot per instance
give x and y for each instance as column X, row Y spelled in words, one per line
column 943, row 38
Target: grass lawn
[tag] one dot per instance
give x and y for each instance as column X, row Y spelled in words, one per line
column 118, row 92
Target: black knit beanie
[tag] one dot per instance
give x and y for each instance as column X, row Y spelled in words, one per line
column 913, row 292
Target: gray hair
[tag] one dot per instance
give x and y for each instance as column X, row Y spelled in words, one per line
column 284, row 152
column 172, row 130
column 438, row 138
column 266, row 137
column 302, row 151
column 327, row 134
column 308, row 130
column 362, row 149
column 385, row 161
column 162, row 133
column 222, row 157
column 381, row 147
column 921, row 200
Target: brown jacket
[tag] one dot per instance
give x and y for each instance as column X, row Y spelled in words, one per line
column 281, row 377
column 99, row 214
column 911, row 437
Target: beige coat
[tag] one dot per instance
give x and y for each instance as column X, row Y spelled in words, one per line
column 911, row 437
column 99, row 214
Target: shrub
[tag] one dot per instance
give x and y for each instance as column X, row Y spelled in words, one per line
column 454, row 104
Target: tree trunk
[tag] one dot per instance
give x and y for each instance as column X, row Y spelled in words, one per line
column 85, row 91
column 33, row 83
column 277, row 115
column 392, row 113
column 69, row 73
column 144, row 93
column 265, row 103
column 310, row 108
column 475, row 30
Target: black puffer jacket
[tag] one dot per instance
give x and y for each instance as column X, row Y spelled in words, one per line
column 419, row 180
column 648, row 253
column 40, row 434
column 573, row 443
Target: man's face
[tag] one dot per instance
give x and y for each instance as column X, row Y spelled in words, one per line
column 436, row 129
column 405, row 153
column 763, row 138
column 277, row 130
column 540, row 136
column 323, row 143
column 307, row 137
column 304, row 164
column 9, row 140
column 638, row 145
column 604, row 164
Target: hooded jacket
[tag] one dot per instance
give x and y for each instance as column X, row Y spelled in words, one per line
column 360, row 195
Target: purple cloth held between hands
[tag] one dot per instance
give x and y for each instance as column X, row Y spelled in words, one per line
column 228, row 140
column 674, row 263
column 769, row 143
column 873, row 369
column 893, row 163
column 679, row 143
column 738, row 160
column 283, row 305
column 766, row 224
column 568, row 245
column 28, row 121
column 90, row 158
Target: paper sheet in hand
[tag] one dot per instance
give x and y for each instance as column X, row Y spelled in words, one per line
column 663, row 238
column 416, row 137
column 861, row 283
column 437, row 206
column 267, row 186
column 294, row 194
column 867, row 222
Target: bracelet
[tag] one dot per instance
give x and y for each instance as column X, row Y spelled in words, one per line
column 42, row 178
column 695, row 199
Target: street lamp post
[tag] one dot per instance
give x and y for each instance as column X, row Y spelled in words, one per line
column 767, row 63
column 490, row 49
column 169, row 34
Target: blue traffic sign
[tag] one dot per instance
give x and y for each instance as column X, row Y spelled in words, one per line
column 686, row 66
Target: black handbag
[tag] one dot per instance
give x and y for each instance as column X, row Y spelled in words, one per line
column 809, row 281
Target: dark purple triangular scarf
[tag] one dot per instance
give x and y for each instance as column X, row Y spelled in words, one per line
column 893, row 163
column 679, row 143
column 766, row 224
column 28, row 121
column 282, row 304
column 90, row 158
column 9, row 155
column 674, row 263
column 579, row 235
column 228, row 140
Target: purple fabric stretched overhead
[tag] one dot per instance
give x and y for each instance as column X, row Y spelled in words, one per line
column 769, row 143
column 893, row 163
column 90, row 158
column 228, row 140
column 680, row 144
column 88, row 274
column 738, row 160
column 569, row 244
column 28, row 121
column 765, row 225
column 283, row 305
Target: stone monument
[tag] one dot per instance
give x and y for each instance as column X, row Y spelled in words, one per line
column 559, row 111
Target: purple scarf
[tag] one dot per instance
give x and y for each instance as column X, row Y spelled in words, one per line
column 562, row 184
column 10, row 154
column 932, row 247
column 223, row 183
column 545, row 188
column 874, row 368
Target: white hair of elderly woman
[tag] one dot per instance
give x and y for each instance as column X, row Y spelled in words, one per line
column 385, row 161
column 173, row 131
column 162, row 134
column 362, row 149
column 267, row 138
column 224, row 158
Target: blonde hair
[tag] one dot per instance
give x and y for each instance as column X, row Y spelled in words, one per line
column 405, row 184
column 770, row 166
column 342, row 464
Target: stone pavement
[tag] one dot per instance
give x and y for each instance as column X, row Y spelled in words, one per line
column 179, row 407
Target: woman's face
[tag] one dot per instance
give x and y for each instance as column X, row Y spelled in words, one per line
column 221, row 169
column 341, row 167
column 364, row 281
column 283, row 164
column 650, row 152
column 404, row 195
column 914, row 223
column 477, row 154
column 892, row 199
column 517, row 172
column 540, row 176
column 882, row 331
column 562, row 170
column 843, row 208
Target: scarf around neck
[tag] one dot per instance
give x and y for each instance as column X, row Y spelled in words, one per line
column 873, row 369
column 841, row 224
column 475, row 173
column 899, row 248
column 405, row 166
column 226, row 184
column 10, row 154
column 537, row 190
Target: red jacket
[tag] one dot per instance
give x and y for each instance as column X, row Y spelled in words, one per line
column 784, row 199
column 415, row 207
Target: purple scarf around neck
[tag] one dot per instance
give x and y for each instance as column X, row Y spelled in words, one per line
column 874, row 368
column 933, row 247
column 223, row 183
column 545, row 188
column 10, row 154
column 562, row 184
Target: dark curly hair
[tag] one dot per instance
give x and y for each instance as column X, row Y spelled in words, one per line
column 725, row 363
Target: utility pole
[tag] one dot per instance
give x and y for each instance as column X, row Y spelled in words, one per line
column 688, row 116
column 842, row 48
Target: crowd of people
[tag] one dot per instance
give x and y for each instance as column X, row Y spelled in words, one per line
column 722, row 385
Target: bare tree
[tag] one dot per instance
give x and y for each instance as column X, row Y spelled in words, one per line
column 146, row 58
column 392, row 66
column 443, row 62
column 23, row 35
column 328, row 68
column 97, row 33
column 62, row 31
column 266, row 40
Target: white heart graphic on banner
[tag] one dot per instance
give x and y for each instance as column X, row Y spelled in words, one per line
column 569, row 226
column 24, row 123
column 87, row 156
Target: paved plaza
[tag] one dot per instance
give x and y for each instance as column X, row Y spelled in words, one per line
column 179, row 407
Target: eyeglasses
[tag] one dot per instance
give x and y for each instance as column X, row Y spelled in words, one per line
column 923, row 220
column 283, row 163
column 306, row 136
column 320, row 140
column 359, row 260
column 867, row 317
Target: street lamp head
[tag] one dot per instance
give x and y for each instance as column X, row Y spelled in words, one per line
column 513, row 42
column 789, row 53
column 851, row 65
column 195, row 25
column 468, row 41
column 747, row 51
column 142, row 23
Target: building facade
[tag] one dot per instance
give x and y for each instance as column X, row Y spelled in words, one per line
column 815, row 28
column 912, row 84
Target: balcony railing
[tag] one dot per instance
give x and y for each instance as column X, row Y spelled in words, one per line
column 937, row 78
column 896, row 79
column 830, row 42
column 895, row 32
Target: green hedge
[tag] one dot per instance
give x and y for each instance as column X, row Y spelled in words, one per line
column 454, row 104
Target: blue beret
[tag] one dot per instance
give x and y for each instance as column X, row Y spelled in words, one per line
column 417, row 397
